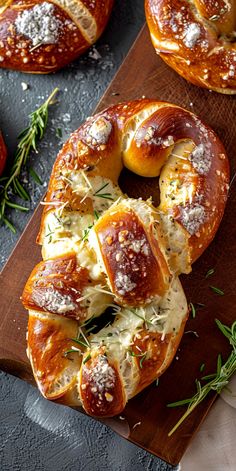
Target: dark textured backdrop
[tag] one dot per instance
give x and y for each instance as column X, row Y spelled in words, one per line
column 36, row 434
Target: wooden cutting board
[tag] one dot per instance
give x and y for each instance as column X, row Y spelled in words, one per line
column 147, row 419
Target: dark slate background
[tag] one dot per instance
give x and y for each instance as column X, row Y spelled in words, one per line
column 36, row 434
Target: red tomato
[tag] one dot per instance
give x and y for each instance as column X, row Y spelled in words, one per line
column 3, row 154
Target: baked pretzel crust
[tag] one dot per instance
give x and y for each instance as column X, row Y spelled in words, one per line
column 61, row 31
column 197, row 39
column 103, row 249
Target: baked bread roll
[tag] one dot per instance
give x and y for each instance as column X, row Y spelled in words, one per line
column 42, row 37
column 3, row 153
column 197, row 39
column 103, row 250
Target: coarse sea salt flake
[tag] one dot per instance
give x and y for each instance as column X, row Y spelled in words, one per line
column 39, row 24
column 192, row 217
column 201, row 159
column 191, row 35
column 100, row 130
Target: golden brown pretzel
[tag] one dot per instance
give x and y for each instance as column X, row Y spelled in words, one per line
column 40, row 37
column 3, row 153
column 103, row 249
column 197, row 38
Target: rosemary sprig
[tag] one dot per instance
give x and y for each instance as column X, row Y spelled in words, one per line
column 216, row 382
column 106, row 196
column 28, row 141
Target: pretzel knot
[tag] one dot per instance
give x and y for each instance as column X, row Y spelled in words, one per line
column 104, row 250
column 197, row 38
column 42, row 37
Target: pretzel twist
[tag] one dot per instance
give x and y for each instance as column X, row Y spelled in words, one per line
column 197, row 38
column 42, row 37
column 103, row 249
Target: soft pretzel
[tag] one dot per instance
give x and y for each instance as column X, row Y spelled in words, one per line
column 102, row 249
column 40, row 37
column 197, row 38
column 3, row 153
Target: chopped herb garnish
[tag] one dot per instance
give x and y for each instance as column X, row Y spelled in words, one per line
column 87, row 358
column 106, row 196
column 72, row 350
column 141, row 355
column 80, row 342
column 202, row 367
column 209, row 272
column 217, row 381
column 141, row 317
column 217, row 290
column 86, row 231
column 193, row 310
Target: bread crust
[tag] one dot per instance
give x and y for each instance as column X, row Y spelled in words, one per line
column 106, row 249
column 197, row 39
column 78, row 24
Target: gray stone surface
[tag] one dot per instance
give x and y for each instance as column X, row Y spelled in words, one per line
column 36, row 434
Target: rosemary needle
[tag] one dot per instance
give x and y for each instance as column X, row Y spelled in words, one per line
column 217, row 290
column 28, row 141
column 193, row 310
column 216, row 382
column 210, row 272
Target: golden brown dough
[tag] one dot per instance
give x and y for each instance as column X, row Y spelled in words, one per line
column 103, row 249
column 197, row 38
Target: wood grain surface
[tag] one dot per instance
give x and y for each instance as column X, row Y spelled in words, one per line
column 147, row 419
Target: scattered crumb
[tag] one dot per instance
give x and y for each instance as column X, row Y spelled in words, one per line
column 25, row 86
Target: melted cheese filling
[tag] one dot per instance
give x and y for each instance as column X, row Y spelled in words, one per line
column 177, row 186
column 163, row 317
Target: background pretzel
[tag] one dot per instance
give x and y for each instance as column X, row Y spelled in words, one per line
column 3, row 154
column 41, row 37
column 102, row 249
column 197, row 38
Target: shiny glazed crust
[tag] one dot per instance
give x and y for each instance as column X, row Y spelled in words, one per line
column 197, row 38
column 103, row 249
column 3, row 153
column 75, row 26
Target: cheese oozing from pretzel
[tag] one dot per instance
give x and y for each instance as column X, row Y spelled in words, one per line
column 104, row 250
column 197, row 38
column 42, row 37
